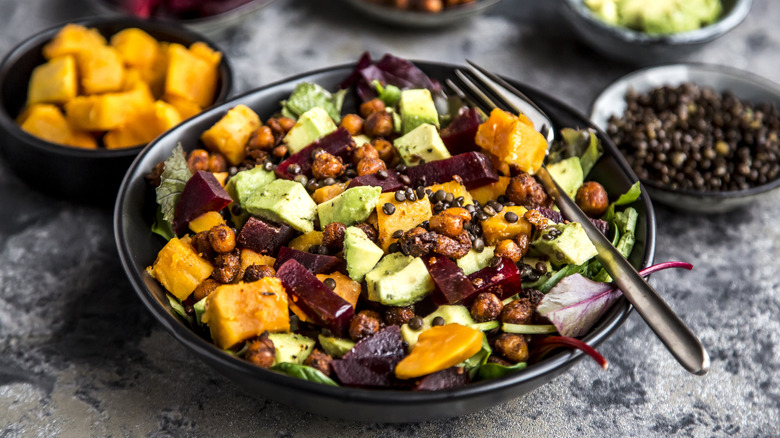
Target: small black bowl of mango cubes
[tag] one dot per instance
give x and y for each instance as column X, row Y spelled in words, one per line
column 79, row 101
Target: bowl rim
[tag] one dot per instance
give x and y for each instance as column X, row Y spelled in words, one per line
column 204, row 349
column 8, row 122
column 702, row 35
column 726, row 71
column 245, row 8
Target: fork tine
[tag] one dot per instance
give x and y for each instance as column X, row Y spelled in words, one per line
column 464, row 97
column 473, row 90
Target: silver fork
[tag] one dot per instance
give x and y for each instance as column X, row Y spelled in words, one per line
column 672, row 331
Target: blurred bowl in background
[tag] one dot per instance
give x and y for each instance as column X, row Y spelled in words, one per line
column 418, row 19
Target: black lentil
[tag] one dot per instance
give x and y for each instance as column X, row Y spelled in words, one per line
column 495, row 261
column 394, row 247
column 294, row 169
column 388, row 208
column 398, row 233
column 382, row 174
column 405, row 180
column 301, row 179
column 439, row 195
column 331, row 283
column 511, row 217
column 478, row 245
column 437, row 321
column 541, row 268
column 415, row 323
column 400, row 196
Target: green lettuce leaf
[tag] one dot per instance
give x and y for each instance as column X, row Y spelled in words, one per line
column 494, row 370
column 178, row 308
column 161, row 226
column 389, row 94
column 307, row 96
column 475, row 362
column 172, row 182
column 303, row 372
column 626, row 198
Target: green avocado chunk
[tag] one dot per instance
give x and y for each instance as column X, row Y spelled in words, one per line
column 353, row 206
column 568, row 174
column 241, row 185
column 571, row 246
column 473, row 261
column 454, row 313
column 336, row 347
column 291, row 347
column 422, row 144
column 417, row 108
column 360, row 253
column 311, row 125
column 399, row 280
column 284, row 201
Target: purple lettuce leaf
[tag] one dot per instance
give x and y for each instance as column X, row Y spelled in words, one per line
column 389, row 70
column 557, row 217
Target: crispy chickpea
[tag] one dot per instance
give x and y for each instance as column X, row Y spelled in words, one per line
column 222, row 238
column 279, row 151
column 364, row 152
column 524, row 190
column 261, row 351
column 371, row 107
column 498, row 360
column 197, row 160
column 154, row 176
column 326, row 165
column 262, row 139
column 523, row 244
column 217, row 163
column 256, row 272
column 398, row 315
column 507, row 248
column 519, row 311
column 450, row 221
column 385, row 149
column 512, row 347
column 431, row 5
column 369, row 230
column 202, row 245
column 486, row 307
column 333, row 236
column 353, row 123
column 401, row 4
column 453, row 248
column 320, row 361
column 368, row 166
column 535, row 218
column 204, row 289
column 286, row 123
column 226, row 267
column 364, row 324
column 378, row 124
column 276, row 127
column 592, row 199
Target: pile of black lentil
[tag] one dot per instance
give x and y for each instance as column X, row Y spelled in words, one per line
column 694, row 138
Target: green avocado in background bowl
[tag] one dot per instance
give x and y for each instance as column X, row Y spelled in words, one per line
column 657, row 17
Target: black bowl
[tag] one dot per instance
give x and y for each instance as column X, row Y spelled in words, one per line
column 90, row 176
column 138, row 249
column 641, row 48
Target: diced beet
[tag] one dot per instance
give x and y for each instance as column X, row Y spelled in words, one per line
column 452, row 285
column 338, row 143
column 452, row 377
column 503, row 280
column 201, row 194
column 314, row 263
column 474, row 168
column 317, row 300
column 557, row 217
column 459, row 135
column 264, row 237
column 389, row 184
column 372, row 361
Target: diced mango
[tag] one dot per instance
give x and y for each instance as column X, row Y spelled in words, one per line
column 206, row 221
column 179, row 268
column 136, row 47
column 190, row 76
column 47, row 122
column 54, row 82
column 498, row 228
column 456, row 188
column 231, row 133
column 100, row 70
column 143, row 126
column 325, row 194
column 513, row 140
column 72, row 39
column 439, row 348
column 406, row 216
column 491, row 191
column 107, row 111
column 345, row 287
column 237, row 312
column 306, row 241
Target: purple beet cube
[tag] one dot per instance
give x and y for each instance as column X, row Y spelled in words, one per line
column 453, row 377
column 317, row 300
column 474, row 168
column 372, row 361
column 314, row 263
column 389, row 184
column 264, row 237
column 201, row 194
column 459, row 135
column 338, row 143
column 503, row 280
column 452, row 285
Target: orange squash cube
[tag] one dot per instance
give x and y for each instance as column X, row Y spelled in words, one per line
column 54, row 82
column 439, row 348
column 231, row 133
column 345, row 287
column 306, row 241
column 107, row 111
column 325, row 194
column 136, row 47
column 206, row 221
column 190, row 76
column 143, row 126
column 497, row 228
column 249, row 258
column 237, row 312
column 406, row 216
column 72, row 39
column 47, row 122
column 491, row 191
column 186, row 108
column 179, row 269
column 100, row 70
column 513, row 140
column 456, row 188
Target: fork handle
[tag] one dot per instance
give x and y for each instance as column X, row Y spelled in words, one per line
column 675, row 335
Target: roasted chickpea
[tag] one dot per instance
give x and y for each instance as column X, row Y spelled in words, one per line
column 486, row 307
column 279, row 151
column 202, row 245
column 222, row 238
column 204, row 289
column 256, row 272
column 364, row 324
column 353, row 123
column 524, row 190
column 197, row 160
column 262, row 139
column 368, row 166
column 261, row 351
column 512, row 347
column 378, row 124
column 431, row 5
column 275, row 126
column 398, row 315
column 385, row 149
column 523, row 243
column 369, row 230
column 507, row 248
column 519, row 311
column 367, row 151
column 333, row 236
column 217, row 163
column 286, row 123
column 592, row 199
column 535, row 218
column 371, row 107
column 226, row 267
column 326, row 165
column 450, row 221
column 317, row 359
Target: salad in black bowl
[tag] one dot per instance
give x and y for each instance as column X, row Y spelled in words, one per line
column 384, row 253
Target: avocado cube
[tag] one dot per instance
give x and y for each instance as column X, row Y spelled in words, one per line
column 351, row 207
column 399, row 280
column 336, row 347
column 291, row 347
column 454, row 313
column 421, row 144
column 568, row 174
column 244, row 183
column 571, row 246
column 311, row 125
column 284, row 201
column 360, row 253
column 417, row 108
column 473, row 261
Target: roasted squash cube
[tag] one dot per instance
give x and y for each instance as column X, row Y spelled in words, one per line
column 325, row 194
column 231, row 133
column 206, row 221
column 54, row 82
column 206, row 53
column 456, row 188
column 107, row 111
column 237, row 312
column 179, row 269
column 513, row 140
column 136, row 47
column 143, row 126
column 190, row 76
column 72, row 39
column 345, row 287
column 47, row 122
column 491, row 191
column 100, row 70
column 306, row 241
column 406, row 216
column 186, row 108
column 249, row 258
column 498, row 228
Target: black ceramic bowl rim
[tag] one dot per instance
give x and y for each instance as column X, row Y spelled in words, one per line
column 759, row 81
column 204, row 349
column 698, row 36
column 245, row 8
column 8, row 122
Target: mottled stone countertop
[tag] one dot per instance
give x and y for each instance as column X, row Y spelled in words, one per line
column 80, row 355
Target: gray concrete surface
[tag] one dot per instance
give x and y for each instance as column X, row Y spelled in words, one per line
column 80, row 356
